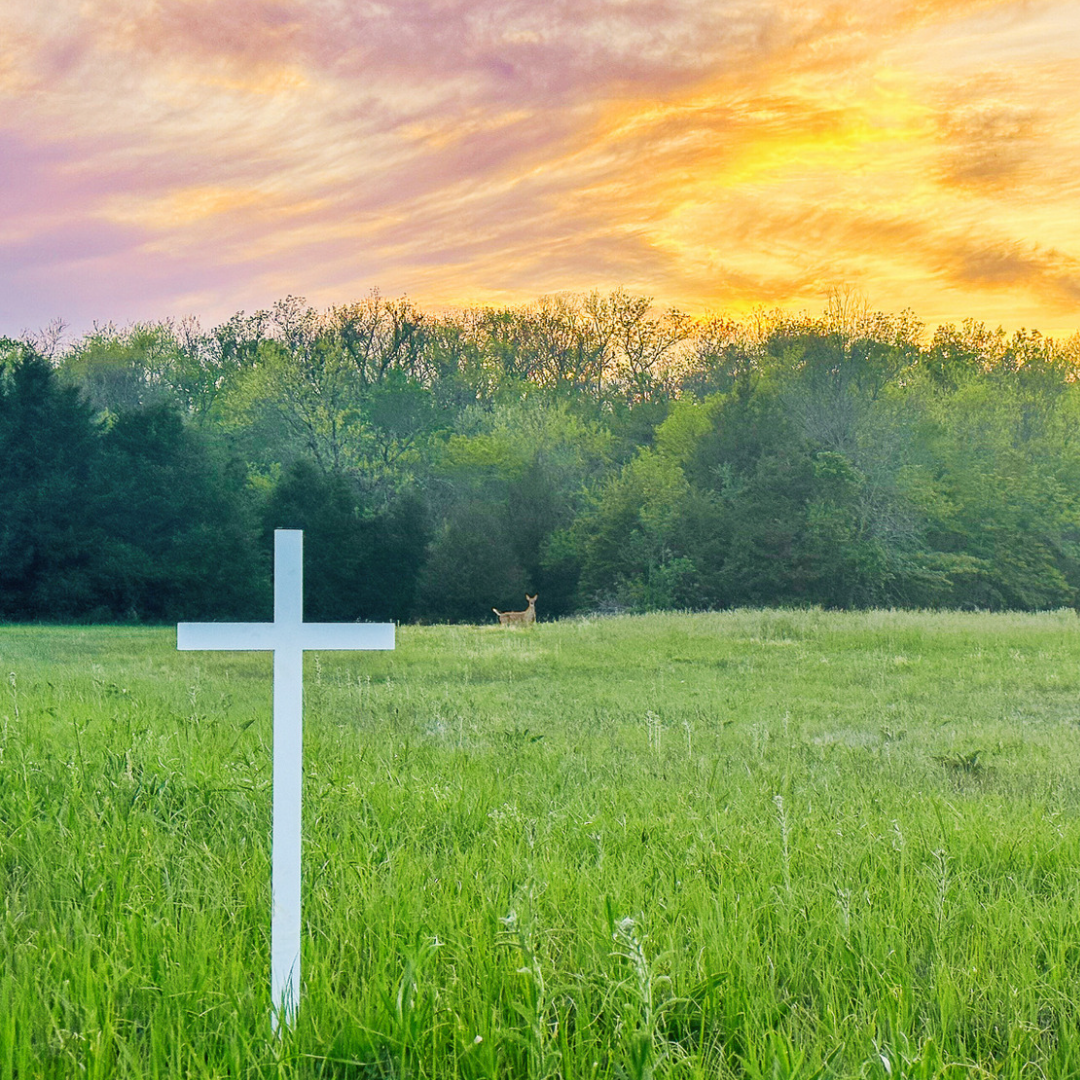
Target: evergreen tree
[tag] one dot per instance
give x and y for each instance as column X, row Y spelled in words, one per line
column 49, row 543
column 181, row 527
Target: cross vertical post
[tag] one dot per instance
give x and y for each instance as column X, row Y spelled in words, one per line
column 288, row 636
column 288, row 776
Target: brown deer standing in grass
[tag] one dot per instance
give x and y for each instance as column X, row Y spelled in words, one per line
column 518, row 618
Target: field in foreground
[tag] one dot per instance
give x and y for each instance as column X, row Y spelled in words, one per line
column 751, row 844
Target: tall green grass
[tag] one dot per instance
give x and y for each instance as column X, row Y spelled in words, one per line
column 752, row 844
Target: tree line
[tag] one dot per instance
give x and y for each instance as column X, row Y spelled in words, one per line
column 607, row 455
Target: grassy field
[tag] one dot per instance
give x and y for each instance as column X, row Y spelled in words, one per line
column 751, row 844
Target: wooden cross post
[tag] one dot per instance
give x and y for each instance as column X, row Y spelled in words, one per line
column 288, row 636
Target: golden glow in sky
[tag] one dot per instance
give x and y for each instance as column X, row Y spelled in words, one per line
column 170, row 157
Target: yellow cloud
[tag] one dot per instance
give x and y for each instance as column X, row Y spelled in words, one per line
column 436, row 134
column 183, row 207
column 263, row 81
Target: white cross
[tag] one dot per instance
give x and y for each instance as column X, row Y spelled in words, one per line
column 287, row 637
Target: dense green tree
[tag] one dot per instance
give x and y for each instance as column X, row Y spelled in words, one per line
column 49, row 450
column 123, row 370
column 471, row 566
column 506, row 482
column 180, row 525
column 130, row 517
column 1005, row 500
column 337, row 391
column 358, row 563
column 637, row 540
column 204, row 366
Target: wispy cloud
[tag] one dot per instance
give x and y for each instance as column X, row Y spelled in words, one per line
column 189, row 155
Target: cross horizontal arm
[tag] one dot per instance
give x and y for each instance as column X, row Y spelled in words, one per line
column 244, row 637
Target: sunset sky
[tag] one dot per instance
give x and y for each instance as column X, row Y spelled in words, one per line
column 170, row 157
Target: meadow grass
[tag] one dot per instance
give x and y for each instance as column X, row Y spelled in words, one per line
column 747, row 844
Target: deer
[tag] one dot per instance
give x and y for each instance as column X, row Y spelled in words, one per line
column 518, row 618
